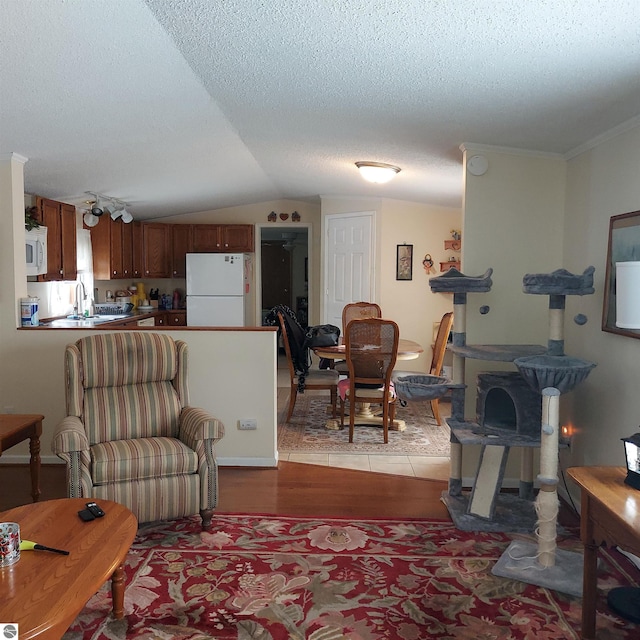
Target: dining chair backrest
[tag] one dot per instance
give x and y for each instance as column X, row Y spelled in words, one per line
column 359, row 311
column 371, row 347
column 440, row 345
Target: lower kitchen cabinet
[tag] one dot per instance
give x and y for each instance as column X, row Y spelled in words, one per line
column 176, row 318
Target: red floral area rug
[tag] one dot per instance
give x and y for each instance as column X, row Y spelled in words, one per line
column 267, row 577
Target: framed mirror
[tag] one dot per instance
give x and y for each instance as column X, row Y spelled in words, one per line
column 624, row 246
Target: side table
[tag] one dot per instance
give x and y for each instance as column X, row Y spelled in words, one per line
column 16, row 428
column 609, row 515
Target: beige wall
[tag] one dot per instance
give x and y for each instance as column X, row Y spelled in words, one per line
column 529, row 214
column 601, row 183
column 513, row 222
column 232, row 374
column 410, row 303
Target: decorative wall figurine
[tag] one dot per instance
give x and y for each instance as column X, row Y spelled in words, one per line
column 295, row 216
column 272, row 217
column 284, row 216
column 427, row 263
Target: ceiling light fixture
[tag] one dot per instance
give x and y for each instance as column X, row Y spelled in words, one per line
column 377, row 172
column 97, row 206
column 114, row 207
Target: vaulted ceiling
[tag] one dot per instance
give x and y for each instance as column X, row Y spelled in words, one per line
column 175, row 106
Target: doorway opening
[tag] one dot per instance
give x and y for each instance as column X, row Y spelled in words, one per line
column 284, row 269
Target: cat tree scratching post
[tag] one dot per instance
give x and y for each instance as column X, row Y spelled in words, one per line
column 553, row 373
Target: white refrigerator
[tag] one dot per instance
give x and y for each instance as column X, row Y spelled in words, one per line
column 217, row 287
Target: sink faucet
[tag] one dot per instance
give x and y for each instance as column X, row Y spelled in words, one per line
column 80, row 291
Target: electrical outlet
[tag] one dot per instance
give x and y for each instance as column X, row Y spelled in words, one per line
column 247, row 424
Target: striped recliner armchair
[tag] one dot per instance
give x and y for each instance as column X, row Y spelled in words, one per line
column 130, row 435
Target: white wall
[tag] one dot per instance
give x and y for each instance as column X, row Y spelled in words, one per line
column 411, row 303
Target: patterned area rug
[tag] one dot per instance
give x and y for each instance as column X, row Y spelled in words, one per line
column 307, row 433
column 278, row 578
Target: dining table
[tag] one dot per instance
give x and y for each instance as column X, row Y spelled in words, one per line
column 407, row 350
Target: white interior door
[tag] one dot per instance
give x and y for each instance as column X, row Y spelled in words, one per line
column 350, row 262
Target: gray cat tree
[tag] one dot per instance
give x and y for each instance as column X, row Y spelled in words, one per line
column 532, row 422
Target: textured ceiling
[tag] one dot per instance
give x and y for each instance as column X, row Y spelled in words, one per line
column 187, row 105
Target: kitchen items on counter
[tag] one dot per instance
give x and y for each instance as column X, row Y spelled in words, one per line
column 29, row 311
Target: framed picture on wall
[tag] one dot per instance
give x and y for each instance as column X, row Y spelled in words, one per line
column 624, row 246
column 404, row 262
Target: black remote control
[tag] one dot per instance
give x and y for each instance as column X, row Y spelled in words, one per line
column 95, row 510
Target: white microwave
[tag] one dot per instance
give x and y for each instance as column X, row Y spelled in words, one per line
column 36, row 251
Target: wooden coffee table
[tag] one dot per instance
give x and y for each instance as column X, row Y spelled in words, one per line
column 44, row 592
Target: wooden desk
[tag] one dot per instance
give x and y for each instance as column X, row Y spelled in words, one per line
column 15, row 429
column 610, row 516
column 44, row 592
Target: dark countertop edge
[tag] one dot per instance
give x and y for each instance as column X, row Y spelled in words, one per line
column 110, row 327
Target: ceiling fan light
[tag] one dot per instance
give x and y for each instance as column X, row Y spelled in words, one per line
column 377, row 172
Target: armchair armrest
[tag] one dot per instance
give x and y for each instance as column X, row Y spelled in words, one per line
column 197, row 425
column 69, row 436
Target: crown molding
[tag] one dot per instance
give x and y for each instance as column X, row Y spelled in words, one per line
column 603, row 137
column 473, row 147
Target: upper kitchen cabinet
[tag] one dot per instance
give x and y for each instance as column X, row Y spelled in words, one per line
column 181, row 244
column 222, row 238
column 137, row 248
column 113, row 248
column 156, row 238
column 60, row 220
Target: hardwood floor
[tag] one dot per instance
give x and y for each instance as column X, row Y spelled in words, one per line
column 291, row 489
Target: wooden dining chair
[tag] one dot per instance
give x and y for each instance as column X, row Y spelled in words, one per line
column 371, row 349
column 359, row 311
column 313, row 379
column 437, row 358
column 355, row 311
column 439, row 350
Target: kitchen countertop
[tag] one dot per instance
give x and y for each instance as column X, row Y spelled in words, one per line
column 93, row 322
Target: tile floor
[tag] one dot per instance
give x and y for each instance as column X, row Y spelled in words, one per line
column 434, row 468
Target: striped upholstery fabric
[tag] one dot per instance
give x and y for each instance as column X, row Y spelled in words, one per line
column 129, row 434
column 116, row 359
column 132, row 411
column 141, row 459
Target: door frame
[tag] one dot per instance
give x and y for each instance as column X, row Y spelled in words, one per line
column 258, row 261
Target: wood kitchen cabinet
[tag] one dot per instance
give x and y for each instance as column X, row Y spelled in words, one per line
column 156, row 240
column 112, row 247
column 137, row 249
column 157, row 250
column 181, row 244
column 222, row 238
column 176, row 318
column 60, row 220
